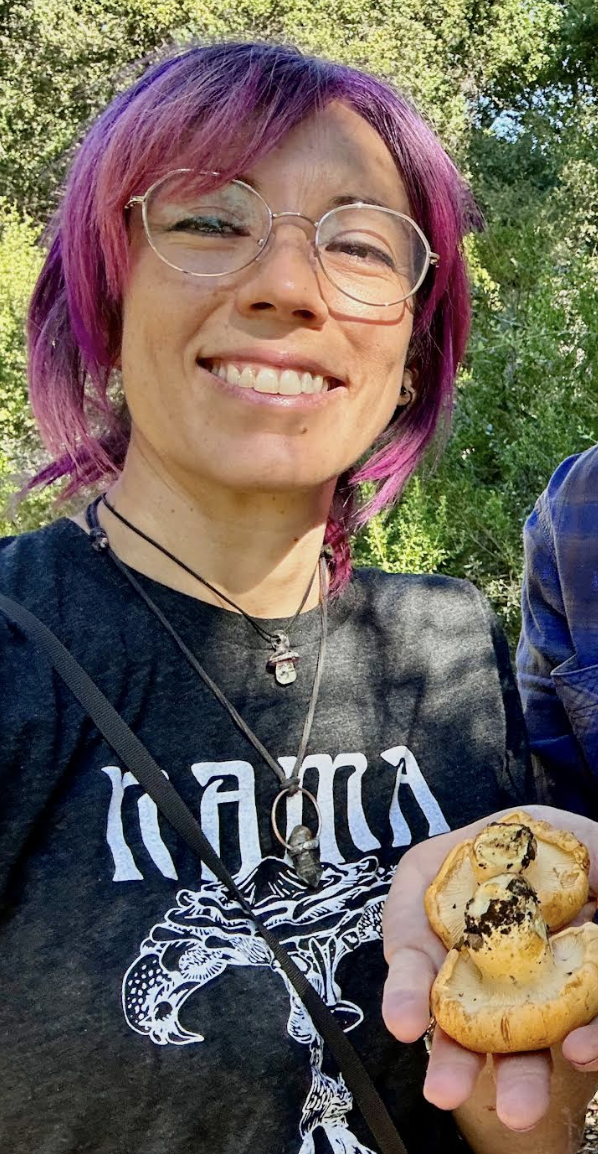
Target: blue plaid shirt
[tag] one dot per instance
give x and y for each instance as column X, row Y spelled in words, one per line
column 557, row 658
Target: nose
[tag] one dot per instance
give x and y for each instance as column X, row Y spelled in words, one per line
column 284, row 279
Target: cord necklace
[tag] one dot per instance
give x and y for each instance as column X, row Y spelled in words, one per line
column 303, row 844
column 283, row 659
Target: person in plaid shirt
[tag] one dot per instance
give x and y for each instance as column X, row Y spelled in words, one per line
column 557, row 657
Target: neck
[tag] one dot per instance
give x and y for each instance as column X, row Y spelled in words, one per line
column 260, row 549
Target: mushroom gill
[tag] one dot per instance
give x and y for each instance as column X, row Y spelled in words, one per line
column 507, row 986
column 553, row 861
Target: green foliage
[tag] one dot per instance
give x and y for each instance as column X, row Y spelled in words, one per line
column 512, row 87
column 20, row 451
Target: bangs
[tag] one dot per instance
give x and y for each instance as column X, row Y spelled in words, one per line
column 221, row 109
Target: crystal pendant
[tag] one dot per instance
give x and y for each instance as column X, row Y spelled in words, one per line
column 303, row 846
column 304, row 849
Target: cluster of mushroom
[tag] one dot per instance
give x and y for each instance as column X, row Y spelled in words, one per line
column 505, row 985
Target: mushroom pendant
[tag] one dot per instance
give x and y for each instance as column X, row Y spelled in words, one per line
column 283, row 661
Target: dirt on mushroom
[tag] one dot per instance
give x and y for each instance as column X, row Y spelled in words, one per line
column 506, row 985
column 553, row 861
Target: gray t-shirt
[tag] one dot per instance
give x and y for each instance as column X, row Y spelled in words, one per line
column 140, row 1011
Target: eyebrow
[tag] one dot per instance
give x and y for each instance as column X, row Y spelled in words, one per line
column 335, row 202
column 348, row 198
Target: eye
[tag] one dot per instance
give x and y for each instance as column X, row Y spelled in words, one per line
column 361, row 250
column 206, row 225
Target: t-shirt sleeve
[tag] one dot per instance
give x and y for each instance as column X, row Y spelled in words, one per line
column 522, row 779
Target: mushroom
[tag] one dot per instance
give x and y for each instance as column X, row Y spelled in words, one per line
column 506, row 986
column 553, row 861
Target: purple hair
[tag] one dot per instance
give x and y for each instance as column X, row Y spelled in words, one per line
column 228, row 105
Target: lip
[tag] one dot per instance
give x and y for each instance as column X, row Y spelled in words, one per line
column 277, row 400
column 277, row 360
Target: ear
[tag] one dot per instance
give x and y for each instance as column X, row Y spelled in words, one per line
column 408, row 390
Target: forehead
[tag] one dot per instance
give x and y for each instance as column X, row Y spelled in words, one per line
column 334, row 152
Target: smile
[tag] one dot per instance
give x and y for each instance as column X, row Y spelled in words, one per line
column 286, row 382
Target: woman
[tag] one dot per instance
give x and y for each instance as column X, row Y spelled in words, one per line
column 263, row 251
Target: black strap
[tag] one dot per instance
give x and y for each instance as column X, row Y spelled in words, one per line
column 139, row 761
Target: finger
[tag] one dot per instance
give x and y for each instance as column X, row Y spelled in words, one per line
column 581, row 1047
column 452, row 1072
column 586, row 913
column 406, row 998
column 522, row 1088
column 404, row 917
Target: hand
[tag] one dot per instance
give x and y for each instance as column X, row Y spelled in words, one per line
column 414, row 955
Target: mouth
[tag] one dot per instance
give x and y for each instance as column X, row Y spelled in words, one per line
column 291, row 381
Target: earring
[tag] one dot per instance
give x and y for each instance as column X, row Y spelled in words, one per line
column 407, row 391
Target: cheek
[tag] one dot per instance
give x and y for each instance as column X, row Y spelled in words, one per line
column 163, row 312
column 384, row 371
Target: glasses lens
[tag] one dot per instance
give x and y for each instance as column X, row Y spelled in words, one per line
column 372, row 254
column 206, row 234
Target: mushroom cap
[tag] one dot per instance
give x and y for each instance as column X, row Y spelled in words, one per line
column 504, row 1015
column 449, row 893
column 558, row 872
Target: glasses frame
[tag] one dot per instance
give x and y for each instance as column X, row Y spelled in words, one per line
column 432, row 258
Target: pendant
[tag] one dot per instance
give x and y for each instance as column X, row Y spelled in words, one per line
column 283, row 661
column 304, row 849
column 303, row 846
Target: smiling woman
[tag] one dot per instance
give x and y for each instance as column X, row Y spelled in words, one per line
column 254, row 301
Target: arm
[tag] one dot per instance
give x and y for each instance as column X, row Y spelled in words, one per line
column 560, row 1131
column 525, row 1092
column 545, row 644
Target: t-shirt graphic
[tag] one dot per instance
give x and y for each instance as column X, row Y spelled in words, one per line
column 206, row 932
column 121, row 951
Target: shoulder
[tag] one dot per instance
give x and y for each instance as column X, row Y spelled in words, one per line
column 44, row 570
column 565, row 516
column 419, row 591
column 29, row 552
column 423, row 605
column 25, row 558
column 573, row 486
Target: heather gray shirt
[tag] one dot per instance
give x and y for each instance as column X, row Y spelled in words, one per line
column 140, row 1012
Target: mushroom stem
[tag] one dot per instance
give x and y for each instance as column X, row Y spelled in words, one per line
column 505, row 933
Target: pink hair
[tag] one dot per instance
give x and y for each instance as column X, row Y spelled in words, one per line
column 228, row 105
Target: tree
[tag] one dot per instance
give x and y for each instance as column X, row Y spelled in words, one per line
column 512, row 87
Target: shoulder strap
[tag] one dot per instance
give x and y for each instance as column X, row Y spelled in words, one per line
column 139, row 761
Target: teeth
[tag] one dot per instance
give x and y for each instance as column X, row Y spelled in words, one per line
column 269, row 380
column 247, row 379
column 311, row 384
column 291, row 383
column 266, row 381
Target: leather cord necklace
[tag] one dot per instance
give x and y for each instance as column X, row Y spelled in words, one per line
column 303, row 844
column 283, row 659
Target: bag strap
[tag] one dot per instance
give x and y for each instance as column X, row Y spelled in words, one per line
column 154, row 781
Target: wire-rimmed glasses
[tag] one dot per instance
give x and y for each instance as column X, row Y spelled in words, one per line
column 373, row 255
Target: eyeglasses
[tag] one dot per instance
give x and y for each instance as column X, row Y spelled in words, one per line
column 373, row 255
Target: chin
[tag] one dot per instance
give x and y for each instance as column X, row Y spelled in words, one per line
column 276, row 480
